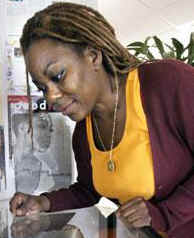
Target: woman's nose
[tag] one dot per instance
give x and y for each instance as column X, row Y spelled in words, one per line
column 52, row 94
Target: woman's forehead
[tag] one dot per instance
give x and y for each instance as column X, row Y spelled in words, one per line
column 45, row 51
column 43, row 55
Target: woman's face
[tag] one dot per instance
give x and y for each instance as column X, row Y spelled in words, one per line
column 68, row 81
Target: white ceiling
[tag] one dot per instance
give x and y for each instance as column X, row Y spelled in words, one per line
column 133, row 20
column 136, row 19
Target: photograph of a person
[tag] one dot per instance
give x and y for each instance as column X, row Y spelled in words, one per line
column 35, row 168
column 134, row 136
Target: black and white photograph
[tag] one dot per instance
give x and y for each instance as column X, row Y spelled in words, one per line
column 43, row 161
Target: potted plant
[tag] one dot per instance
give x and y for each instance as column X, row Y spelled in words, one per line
column 154, row 48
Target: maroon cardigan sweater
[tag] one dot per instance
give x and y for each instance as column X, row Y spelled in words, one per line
column 167, row 92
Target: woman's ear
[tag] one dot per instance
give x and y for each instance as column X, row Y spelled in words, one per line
column 94, row 57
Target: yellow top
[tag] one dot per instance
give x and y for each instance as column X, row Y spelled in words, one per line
column 134, row 174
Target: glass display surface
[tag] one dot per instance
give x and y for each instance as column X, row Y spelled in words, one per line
column 77, row 223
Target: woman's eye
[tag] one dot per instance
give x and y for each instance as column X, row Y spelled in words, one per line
column 58, row 77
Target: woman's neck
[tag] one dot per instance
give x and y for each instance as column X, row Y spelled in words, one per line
column 105, row 106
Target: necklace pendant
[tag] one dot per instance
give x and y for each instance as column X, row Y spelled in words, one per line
column 111, row 166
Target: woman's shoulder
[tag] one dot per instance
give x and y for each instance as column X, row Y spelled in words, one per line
column 167, row 70
column 165, row 65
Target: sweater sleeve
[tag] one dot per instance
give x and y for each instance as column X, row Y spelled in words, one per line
column 177, row 207
column 176, row 210
column 82, row 193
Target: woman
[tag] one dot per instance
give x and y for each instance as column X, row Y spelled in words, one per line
column 134, row 139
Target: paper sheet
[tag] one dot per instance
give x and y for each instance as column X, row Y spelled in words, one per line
column 106, row 207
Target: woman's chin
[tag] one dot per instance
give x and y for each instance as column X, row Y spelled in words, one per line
column 76, row 117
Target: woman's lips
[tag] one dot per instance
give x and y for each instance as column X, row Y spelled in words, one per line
column 67, row 109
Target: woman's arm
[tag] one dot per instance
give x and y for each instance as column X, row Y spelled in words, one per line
column 82, row 193
column 178, row 207
column 175, row 210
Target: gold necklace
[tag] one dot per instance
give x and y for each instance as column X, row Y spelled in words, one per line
column 110, row 164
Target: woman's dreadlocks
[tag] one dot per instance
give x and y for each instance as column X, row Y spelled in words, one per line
column 80, row 26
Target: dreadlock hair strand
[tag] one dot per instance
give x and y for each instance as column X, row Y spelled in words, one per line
column 78, row 24
column 30, row 129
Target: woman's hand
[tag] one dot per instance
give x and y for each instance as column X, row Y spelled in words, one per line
column 24, row 204
column 134, row 213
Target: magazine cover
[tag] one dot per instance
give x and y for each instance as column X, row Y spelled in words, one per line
column 45, row 164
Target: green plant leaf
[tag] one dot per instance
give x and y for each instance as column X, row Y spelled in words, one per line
column 147, row 39
column 134, row 48
column 159, row 45
column 150, row 55
column 184, row 59
column 179, row 47
column 143, row 50
column 140, row 48
column 137, row 43
column 171, row 48
column 191, row 49
column 169, row 55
